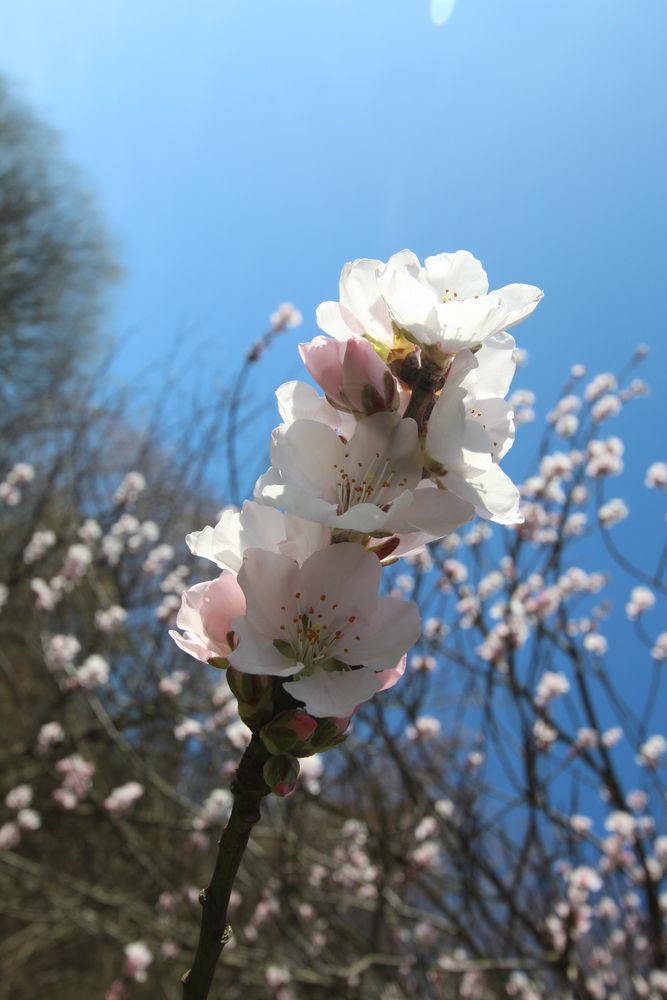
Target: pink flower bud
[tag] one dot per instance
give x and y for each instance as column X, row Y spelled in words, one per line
column 280, row 773
column 353, row 376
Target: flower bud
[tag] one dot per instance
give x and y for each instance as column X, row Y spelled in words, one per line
column 289, row 732
column 329, row 734
column 299, row 734
column 255, row 695
column 353, row 376
column 280, row 773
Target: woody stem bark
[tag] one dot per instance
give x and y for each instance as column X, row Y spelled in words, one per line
column 249, row 788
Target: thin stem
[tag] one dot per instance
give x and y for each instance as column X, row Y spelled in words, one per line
column 248, row 788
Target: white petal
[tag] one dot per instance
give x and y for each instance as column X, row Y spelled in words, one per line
column 336, row 693
column 411, row 304
column 519, row 301
column 256, row 654
column 254, row 526
column 387, row 438
column 368, row 518
column 493, row 494
column 360, row 295
column 338, row 323
column 465, row 324
column 495, row 367
column 348, row 575
column 446, row 428
column 267, row 578
column 301, row 502
column 459, row 273
column 300, row 401
column 437, row 512
column 306, row 454
column 496, row 417
column 303, row 538
column 393, row 629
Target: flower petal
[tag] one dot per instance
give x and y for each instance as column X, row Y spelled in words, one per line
column 493, row 495
column 335, row 693
column 519, row 301
column 267, row 578
column 458, row 274
column 256, row 654
column 393, row 629
column 437, row 511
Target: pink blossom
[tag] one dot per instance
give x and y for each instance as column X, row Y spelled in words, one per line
column 606, row 407
column 107, row 619
column 544, row 733
column 122, row 797
column 581, row 824
column 611, row 736
column 595, row 643
column 19, row 797
column 641, row 599
column 551, row 686
column 20, row 474
column 659, row 651
column 286, row 315
column 656, row 476
column 426, row 855
column 10, row 836
column 352, row 375
column 612, row 512
column 49, row 735
column 206, row 616
column 138, row 957
column 425, row 727
column 93, row 672
column 29, row 819
column 77, row 778
column 131, row 487
column 65, row 798
column 38, row 546
column 652, row 751
column 277, row 975
column 604, row 382
column 90, row 531
column 621, row 823
column 9, row 494
column 61, row 651
column 187, row 728
column 445, row 808
column 427, row 827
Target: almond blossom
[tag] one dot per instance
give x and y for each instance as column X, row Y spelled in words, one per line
column 446, row 304
column 352, row 375
column 469, row 431
column 206, row 616
column 364, row 484
column 257, row 527
column 323, row 626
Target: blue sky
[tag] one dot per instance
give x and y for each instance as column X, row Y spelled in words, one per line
column 241, row 152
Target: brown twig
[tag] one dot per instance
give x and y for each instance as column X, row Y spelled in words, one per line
column 249, row 788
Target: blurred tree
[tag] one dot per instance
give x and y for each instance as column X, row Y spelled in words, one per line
column 54, row 264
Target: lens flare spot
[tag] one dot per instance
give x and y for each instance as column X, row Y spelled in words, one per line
column 441, row 11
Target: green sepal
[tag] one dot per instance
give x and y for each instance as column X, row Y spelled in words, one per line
column 219, row 661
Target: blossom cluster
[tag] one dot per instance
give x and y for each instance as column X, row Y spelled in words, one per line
column 403, row 448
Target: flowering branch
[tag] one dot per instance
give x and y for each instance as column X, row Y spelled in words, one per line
column 249, row 788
